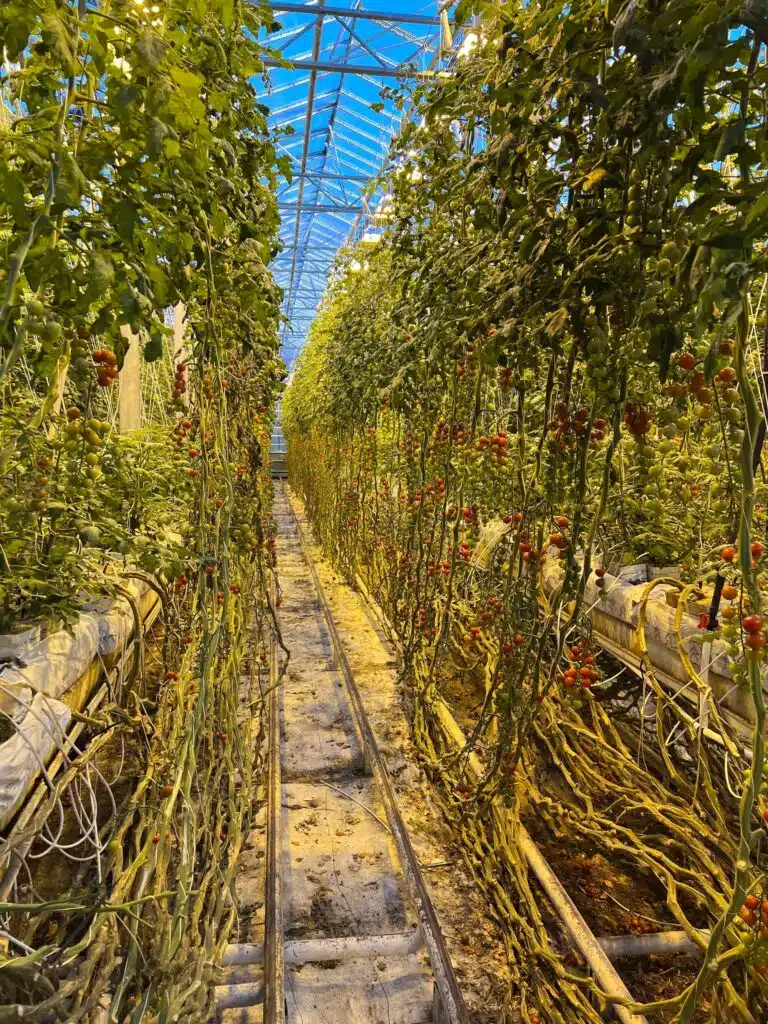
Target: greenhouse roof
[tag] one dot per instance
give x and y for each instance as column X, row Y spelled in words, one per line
column 343, row 54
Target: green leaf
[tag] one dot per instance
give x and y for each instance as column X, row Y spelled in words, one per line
column 227, row 13
column 759, row 207
column 12, row 192
column 125, row 218
column 127, row 94
column 731, row 138
column 129, row 304
column 150, row 48
column 187, row 81
column 100, row 276
column 285, row 166
column 153, row 349
column 594, row 178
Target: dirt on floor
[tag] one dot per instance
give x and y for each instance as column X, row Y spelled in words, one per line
column 613, row 899
column 475, row 944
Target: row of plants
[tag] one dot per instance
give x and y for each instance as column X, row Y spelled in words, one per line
column 138, row 175
column 555, row 354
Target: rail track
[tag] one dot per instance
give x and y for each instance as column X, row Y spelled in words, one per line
column 350, row 933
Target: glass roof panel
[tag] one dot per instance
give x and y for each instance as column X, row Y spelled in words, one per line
column 343, row 52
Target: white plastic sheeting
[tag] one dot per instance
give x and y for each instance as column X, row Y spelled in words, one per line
column 615, row 612
column 35, row 671
column 23, row 756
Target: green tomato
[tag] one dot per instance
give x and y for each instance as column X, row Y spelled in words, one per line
column 90, row 535
column 58, row 553
column 51, row 331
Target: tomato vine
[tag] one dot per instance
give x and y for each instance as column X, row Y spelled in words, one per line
column 550, row 368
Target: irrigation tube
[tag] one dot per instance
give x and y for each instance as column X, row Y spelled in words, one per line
column 451, row 1002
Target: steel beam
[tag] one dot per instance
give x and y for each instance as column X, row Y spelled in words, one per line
column 321, row 175
column 348, row 69
column 316, row 43
column 346, row 12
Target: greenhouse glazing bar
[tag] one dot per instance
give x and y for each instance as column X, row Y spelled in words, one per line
column 345, row 12
column 349, row 69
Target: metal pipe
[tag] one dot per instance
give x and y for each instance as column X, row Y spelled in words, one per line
column 348, row 69
column 618, row 946
column 32, row 817
column 578, row 929
column 316, row 951
column 321, row 208
column 274, row 975
column 307, row 135
column 230, row 997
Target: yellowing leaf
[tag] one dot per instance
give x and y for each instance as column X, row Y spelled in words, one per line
column 594, row 178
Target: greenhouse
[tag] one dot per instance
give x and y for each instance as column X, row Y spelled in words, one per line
column 383, row 511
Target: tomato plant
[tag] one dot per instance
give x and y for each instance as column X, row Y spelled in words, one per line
column 138, row 176
column 549, row 367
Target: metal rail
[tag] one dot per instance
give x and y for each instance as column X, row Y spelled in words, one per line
column 449, row 1003
column 274, row 954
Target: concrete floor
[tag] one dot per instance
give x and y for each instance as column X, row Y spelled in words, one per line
column 340, row 874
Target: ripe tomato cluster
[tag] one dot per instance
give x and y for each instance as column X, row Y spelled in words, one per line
column 508, row 648
column 757, row 550
column 106, row 360
column 754, row 914
column 467, row 366
column 581, row 672
column 566, row 425
column 638, row 421
column 505, row 376
column 180, row 381
column 496, row 446
column 754, row 635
